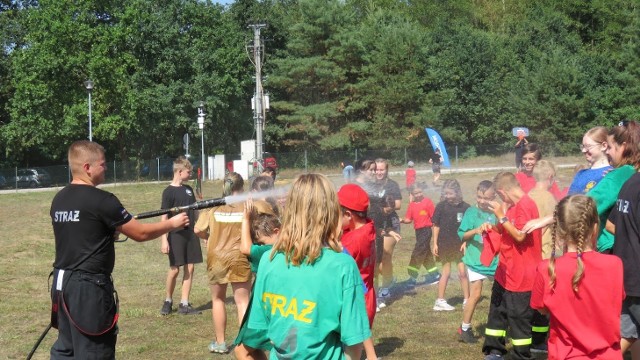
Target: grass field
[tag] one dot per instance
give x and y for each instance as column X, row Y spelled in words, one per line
column 407, row 329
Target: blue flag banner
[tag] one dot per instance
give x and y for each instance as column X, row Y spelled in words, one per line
column 437, row 143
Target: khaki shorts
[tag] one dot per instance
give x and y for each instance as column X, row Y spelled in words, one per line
column 229, row 268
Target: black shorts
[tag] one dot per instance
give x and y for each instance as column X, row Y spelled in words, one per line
column 436, row 168
column 449, row 253
column 630, row 318
column 184, row 248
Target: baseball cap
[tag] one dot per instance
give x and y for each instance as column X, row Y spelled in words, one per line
column 353, row 197
column 410, row 163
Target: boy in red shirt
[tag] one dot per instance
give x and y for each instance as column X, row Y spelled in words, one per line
column 519, row 254
column 419, row 212
column 359, row 239
column 410, row 175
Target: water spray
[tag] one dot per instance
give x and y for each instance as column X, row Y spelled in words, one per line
column 205, row 204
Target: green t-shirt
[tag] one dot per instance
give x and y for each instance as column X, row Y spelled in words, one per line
column 255, row 254
column 605, row 193
column 310, row 311
column 472, row 219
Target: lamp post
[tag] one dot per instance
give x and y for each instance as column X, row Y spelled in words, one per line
column 201, row 116
column 89, row 86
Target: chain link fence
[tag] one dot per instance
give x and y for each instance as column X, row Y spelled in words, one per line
column 291, row 163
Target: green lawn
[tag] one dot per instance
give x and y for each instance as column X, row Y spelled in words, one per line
column 407, row 329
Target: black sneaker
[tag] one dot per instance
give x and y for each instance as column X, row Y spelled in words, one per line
column 467, row 336
column 539, row 348
column 187, row 310
column 166, row 308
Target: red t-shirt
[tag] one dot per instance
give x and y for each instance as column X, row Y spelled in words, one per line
column 410, row 175
column 361, row 244
column 528, row 182
column 585, row 325
column 421, row 213
column 518, row 260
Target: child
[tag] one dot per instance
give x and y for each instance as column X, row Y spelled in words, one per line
column 385, row 198
column 519, row 254
column 225, row 264
column 446, row 244
column 544, row 172
column 410, row 175
column 259, row 232
column 420, row 211
column 582, row 290
column 470, row 232
column 182, row 246
column 309, row 297
column 435, row 161
column 347, row 172
column 531, row 155
column 359, row 239
column 624, row 222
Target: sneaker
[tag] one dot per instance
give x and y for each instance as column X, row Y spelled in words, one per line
column 431, row 279
column 466, row 336
column 166, row 308
column 214, row 347
column 383, row 296
column 380, row 303
column 411, row 283
column 493, row 356
column 442, row 305
column 187, row 310
column 539, row 348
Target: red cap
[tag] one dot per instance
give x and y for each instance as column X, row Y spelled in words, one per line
column 353, row 197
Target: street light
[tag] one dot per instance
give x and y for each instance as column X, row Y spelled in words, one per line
column 201, row 116
column 89, row 86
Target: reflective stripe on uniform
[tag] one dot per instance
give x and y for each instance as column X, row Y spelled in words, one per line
column 494, row 332
column 521, row 342
column 540, row 329
column 228, row 217
column 412, row 268
column 435, row 268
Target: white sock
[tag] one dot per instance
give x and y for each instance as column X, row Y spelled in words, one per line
column 184, row 302
column 465, row 327
column 169, row 300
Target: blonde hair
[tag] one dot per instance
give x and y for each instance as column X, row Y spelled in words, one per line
column 598, row 134
column 574, row 218
column 233, row 182
column 181, row 163
column 543, row 170
column 311, row 220
column 83, row 152
column 505, row 181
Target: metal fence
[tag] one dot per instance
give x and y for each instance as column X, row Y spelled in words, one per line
column 161, row 169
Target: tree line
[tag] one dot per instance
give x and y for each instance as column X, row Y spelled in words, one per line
column 341, row 74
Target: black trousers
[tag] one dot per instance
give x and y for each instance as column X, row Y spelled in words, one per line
column 509, row 311
column 86, row 316
column 421, row 254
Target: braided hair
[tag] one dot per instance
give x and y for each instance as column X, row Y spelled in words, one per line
column 574, row 217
